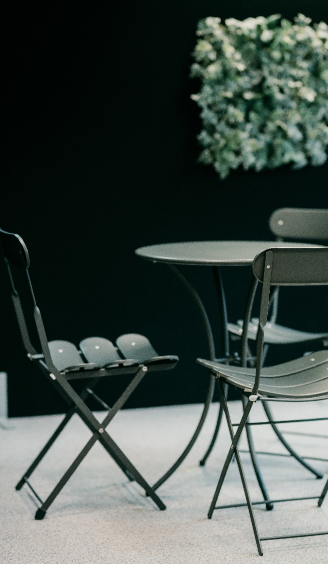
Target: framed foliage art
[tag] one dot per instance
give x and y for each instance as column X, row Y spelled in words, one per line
column 263, row 92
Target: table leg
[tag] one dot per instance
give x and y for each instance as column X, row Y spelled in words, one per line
column 208, row 330
column 247, row 318
column 225, row 340
column 226, row 348
column 223, row 310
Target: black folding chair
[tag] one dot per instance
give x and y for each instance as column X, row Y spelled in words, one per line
column 303, row 379
column 62, row 362
column 297, row 224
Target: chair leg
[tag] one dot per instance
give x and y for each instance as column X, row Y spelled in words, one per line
column 99, row 433
column 323, row 494
column 93, row 424
column 255, row 463
column 202, row 462
column 45, row 449
column 233, row 450
column 117, row 460
column 249, row 503
column 134, row 472
column 54, row 436
column 40, row 513
column 114, row 449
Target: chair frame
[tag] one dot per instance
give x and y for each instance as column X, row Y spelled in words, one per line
column 16, row 253
column 272, row 268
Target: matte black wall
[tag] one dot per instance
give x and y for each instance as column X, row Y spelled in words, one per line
column 99, row 159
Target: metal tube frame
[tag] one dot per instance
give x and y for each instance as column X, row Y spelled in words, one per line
column 244, row 356
column 99, row 434
column 53, row 437
column 234, row 451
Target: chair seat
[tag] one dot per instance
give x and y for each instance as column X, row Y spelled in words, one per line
column 133, row 345
column 100, row 353
column 67, row 358
column 103, row 353
column 306, row 377
column 275, row 333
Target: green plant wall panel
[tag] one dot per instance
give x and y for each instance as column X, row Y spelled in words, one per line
column 263, row 93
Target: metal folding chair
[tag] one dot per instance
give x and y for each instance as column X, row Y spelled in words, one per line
column 297, row 224
column 63, row 363
column 303, row 379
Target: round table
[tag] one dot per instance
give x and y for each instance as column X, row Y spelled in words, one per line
column 211, row 253
column 215, row 254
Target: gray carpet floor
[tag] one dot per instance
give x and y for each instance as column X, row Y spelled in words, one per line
column 101, row 518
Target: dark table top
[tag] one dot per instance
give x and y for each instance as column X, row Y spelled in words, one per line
column 211, row 253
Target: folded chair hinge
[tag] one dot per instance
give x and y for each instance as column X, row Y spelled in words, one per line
column 35, row 356
column 252, row 397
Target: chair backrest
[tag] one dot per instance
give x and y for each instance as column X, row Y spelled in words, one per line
column 16, row 253
column 300, row 266
column 300, row 223
column 294, row 266
column 14, row 249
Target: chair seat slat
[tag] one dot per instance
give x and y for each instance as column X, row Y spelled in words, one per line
column 65, row 355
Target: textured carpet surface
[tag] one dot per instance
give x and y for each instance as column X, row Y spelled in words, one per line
column 101, row 518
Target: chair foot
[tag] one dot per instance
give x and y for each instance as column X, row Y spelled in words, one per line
column 40, row 514
column 20, row 484
column 269, row 506
column 202, row 463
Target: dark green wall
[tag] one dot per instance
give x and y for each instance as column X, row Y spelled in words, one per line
column 99, row 159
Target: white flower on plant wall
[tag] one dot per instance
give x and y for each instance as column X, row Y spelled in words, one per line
column 263, row 93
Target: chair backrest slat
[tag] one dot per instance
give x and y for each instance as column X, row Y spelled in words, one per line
column 300, row 223
column 294, row 266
